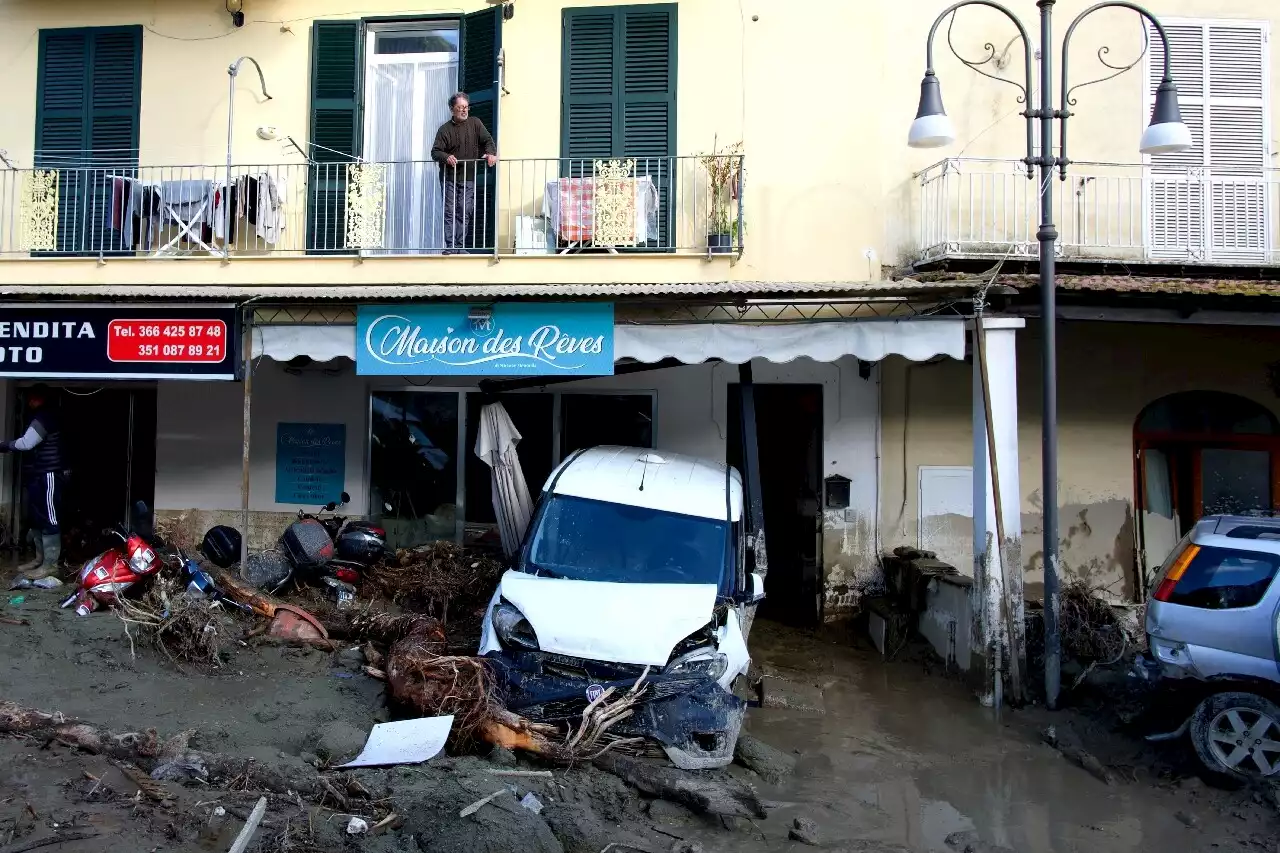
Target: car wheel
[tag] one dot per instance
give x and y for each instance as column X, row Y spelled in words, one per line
column 1237, row 738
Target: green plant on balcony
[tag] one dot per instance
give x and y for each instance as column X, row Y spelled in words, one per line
column 724, row 181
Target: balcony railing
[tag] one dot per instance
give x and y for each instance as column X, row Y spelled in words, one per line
column 683, row 205
column 1104, row 211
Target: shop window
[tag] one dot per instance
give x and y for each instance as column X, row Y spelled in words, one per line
column 591, row 420
column 413, row 465
column 425, row 481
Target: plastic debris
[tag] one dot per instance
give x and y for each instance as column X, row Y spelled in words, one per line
column 17, row 600
column 532, row 803
column 357, row 826
column 42, row 583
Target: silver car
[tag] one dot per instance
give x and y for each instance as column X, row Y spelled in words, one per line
column 1213, row 627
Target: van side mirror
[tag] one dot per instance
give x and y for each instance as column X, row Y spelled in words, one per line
column 754, row 593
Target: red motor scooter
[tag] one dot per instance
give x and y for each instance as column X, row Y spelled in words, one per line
column 107, row 576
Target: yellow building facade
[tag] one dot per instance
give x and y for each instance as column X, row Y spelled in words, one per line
column 764, row 177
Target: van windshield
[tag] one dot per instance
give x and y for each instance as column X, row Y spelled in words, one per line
column 590, row 540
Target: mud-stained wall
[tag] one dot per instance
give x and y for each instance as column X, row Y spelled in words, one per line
column 1107, row 373
column 200, row 428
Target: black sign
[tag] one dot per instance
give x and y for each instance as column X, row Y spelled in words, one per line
column 118, row 341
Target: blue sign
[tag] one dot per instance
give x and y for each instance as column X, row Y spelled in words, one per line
column 507, row 339
column 311, row 463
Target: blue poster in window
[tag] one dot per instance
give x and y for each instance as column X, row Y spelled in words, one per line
column 505, row 339
column 311, row 463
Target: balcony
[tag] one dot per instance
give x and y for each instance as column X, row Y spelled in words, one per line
column 986, row 209
column 522, row 207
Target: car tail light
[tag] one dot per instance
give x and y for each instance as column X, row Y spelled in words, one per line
column 1176, row 570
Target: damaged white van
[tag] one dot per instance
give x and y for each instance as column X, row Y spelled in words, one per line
column 634, row 558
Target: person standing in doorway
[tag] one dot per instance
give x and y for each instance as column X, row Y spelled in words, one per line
column 460, row 144
column 41, row 449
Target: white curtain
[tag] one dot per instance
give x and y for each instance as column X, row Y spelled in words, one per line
column 1160, row 528
column 408, row 101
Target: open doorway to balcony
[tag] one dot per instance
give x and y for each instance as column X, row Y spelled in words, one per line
column 411, row 69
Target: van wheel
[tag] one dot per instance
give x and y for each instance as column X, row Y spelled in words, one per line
column 1237, row 738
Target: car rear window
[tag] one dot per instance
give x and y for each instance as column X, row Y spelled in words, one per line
column 1224, row 579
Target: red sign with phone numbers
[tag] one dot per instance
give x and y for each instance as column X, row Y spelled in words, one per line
column 167, row 341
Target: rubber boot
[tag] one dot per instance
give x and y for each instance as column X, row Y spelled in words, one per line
column 34, row 540
column 51, row 548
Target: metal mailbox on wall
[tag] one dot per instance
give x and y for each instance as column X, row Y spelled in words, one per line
column 505, row 339
column 110, row 341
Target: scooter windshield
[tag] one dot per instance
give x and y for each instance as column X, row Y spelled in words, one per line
column 589, row 540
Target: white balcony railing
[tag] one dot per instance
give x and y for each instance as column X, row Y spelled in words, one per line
column 1103, row 211
column 685, row 205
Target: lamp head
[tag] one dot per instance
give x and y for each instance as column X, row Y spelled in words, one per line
column 931, row 128
column 1166, row 133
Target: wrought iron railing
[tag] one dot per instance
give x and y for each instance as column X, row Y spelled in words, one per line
column 515, row 207
column 1107, row 211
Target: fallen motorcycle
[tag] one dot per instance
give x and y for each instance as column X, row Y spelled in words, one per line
column 106, row 577
column 320, row 548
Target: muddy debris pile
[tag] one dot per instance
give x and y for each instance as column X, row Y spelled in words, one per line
column 577, row 783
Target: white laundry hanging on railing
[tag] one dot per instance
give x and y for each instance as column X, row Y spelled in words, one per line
column 257, row 199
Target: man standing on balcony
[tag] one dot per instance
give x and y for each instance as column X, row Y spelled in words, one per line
column 460, row 143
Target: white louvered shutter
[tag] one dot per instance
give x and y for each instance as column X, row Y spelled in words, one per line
column 1210, row 203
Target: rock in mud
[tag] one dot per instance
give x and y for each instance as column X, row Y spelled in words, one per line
column 339, row 741
column 805, row 831
column 502, row 757
column 770, row 764
column 670, row 814
column 969, row 842
column 790, row 695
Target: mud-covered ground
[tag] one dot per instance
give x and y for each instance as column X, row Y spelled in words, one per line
column 889, row 758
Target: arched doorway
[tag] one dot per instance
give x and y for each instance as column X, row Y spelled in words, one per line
column 1201, row 453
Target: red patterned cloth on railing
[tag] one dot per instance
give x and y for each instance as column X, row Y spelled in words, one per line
column 569, row 204
column 577, row 209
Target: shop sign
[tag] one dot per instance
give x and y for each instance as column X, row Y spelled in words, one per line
column 118, row 341
column 311, row 463
column 506, row 339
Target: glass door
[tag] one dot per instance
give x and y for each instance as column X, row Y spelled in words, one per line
column 415, row 443
column 412, row 69
column 1234, row 481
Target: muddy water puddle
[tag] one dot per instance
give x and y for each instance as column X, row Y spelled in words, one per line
column 899, row 760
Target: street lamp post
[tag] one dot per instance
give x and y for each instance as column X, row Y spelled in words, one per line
column 1164, row 134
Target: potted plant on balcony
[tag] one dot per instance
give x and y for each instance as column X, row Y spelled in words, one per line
column 724, row 180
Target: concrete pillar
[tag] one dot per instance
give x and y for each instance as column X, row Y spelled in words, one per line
column 998, row 565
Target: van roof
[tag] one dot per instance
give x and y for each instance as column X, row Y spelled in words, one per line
column 672, row 482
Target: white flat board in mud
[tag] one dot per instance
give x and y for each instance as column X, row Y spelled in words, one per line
column 403, row 742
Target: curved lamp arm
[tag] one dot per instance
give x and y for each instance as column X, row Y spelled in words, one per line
column 1166, row 81
column 232, row 71
column 1029, row 113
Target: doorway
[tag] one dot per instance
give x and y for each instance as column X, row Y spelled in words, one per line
column 109, row 454
column 789, row 436
column 1201, row 453
column 411, row 70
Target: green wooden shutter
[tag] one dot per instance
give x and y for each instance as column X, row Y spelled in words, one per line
column 88, row 99
column 480, row 38
column 589, row 83
column 337, row 129
column 648, row 113
column 618, row 94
